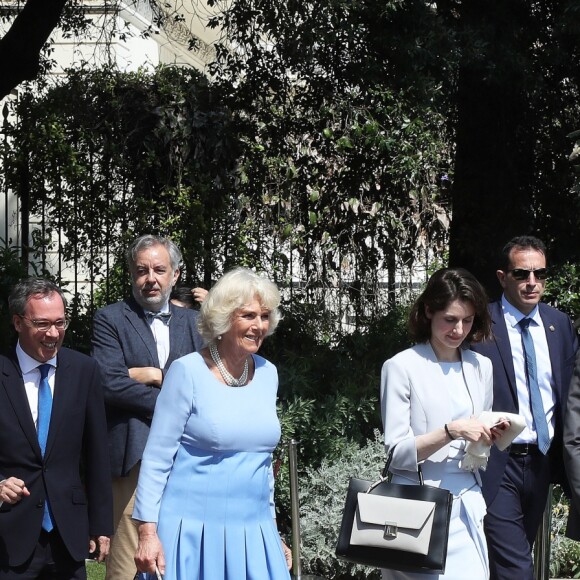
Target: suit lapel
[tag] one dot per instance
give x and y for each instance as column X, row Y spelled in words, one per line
column 13, row 384
column 61, row 400
column 554, row 345
column 502, row 343
column 472, row 383
column 176, row 332
column 136, row 318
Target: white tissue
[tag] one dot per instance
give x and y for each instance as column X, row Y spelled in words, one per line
column 477, row 454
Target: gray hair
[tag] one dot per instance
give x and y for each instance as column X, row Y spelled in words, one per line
column 230, row 293
column 28, row 287
column 149, row 240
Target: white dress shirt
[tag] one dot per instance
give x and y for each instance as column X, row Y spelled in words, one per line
column 512, row 317
column 160, row 332
column 31, row 377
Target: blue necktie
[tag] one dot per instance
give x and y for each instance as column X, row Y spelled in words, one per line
column 44, row 411
column 536, row 405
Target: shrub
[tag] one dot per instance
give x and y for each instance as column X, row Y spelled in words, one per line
column 328, row 392
column 563, row 289
column 564, row 553
column 11, row 270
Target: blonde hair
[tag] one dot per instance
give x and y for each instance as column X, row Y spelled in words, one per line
column 230, row 293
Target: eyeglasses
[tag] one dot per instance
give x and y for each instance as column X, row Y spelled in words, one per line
column 45, row 325
column 521, row 274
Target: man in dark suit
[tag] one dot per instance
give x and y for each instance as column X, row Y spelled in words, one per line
column 572, row 451
column 52, row 426
column 532, row 353
column 135, row 341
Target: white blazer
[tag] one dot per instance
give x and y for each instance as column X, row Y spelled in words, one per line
column 415, row 401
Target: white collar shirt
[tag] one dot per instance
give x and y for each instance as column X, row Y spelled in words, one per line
column 31, row 378
column 160, row 330
column 512, row 317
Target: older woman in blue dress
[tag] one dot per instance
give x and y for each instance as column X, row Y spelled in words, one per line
column 204, row 504
column 431, row 396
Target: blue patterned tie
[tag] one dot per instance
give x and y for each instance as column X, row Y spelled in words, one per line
column 537, row 407
column 44, row 411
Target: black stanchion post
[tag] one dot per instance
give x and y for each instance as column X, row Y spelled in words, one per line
column 542, row 542
column 293, row 469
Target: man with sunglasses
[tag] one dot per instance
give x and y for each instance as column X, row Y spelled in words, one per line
column 532, row 353
column 56, row 503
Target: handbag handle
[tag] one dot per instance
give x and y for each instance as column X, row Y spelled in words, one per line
column 385, row 475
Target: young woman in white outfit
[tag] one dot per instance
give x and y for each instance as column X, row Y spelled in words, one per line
column 431, row 396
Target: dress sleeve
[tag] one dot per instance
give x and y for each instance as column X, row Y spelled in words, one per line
column 173, row 409
column 396, row 414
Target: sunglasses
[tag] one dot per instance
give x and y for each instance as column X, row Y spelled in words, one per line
column 521, row 274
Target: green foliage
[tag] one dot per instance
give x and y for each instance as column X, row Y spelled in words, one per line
column 564, row 553
column 115, row 287
column 11, row 270
column 105, row 156
column 339, row 198
column 95, row 571
column 574, row 157
column 563, row 289
column 328, row 394
column 342, row 151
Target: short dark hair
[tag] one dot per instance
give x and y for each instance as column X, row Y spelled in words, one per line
column 443, row 287
column 520, row 243
column 183, row 294
column 28, row 287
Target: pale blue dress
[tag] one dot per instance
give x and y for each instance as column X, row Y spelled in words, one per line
column 467, row 548
column 206, row 475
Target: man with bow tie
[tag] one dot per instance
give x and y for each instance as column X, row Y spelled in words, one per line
column 135, row 341
column 55, row 493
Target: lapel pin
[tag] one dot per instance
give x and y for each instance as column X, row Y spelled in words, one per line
column 551, row 327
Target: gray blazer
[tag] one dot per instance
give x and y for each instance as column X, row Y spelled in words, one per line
column 122, row 339
column 415, row 401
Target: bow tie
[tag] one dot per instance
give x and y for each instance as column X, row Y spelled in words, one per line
column 165, row 317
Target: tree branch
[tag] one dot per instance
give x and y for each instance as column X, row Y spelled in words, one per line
column 21, row 45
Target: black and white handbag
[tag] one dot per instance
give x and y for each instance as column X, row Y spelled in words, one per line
column 395, row 526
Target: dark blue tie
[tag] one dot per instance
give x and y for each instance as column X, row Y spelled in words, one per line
column 44, row 411
column 536, row 405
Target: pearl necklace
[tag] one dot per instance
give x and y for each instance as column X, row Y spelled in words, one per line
column 229, row 379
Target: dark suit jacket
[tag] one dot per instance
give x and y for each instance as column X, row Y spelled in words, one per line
column 562, row 346
column 572, row 451
column 122, row 339
column 76, row 435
